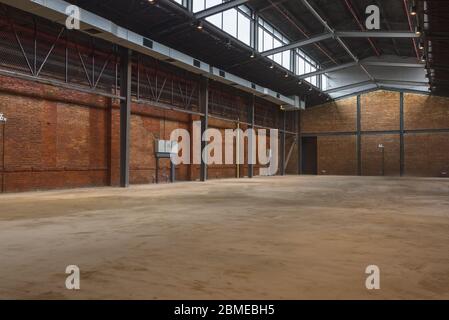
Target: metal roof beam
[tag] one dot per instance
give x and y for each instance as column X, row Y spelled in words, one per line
column 341, row 42
column 297, row 44
column 332, row 69
column 393, row 64
column 364, row 63
column 219, row 8
column 379, row 83
column 402, row 83
column 376, row 34
column 350, row 86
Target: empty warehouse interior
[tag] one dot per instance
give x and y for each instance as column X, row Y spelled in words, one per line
column 312, row 139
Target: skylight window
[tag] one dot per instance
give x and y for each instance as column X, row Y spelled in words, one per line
column 237, row 23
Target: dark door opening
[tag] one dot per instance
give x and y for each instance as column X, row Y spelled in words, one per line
column 309, row 155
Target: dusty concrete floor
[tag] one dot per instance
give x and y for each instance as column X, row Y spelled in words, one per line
column 266, row 238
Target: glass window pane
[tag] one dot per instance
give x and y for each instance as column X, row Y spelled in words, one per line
column 211, row 3
column 260, row 39
column 197, row 5
column 230, row 22
column 301, row 65
column 278, row 58
column 244, row 29
column 277, row 43
column 267, row 41
column 215, row 19
column 286, row 59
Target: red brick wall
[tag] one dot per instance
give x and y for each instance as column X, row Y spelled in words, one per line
column 374, row 162
column 426, row 154
column 51, row 141
column 60, row 138
column 380, row 111
column 336, row 116
column 337, row 155
column 424, row 112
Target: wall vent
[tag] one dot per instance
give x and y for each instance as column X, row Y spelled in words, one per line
column 148, row 43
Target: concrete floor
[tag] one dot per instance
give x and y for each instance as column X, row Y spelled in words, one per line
column 267, row 238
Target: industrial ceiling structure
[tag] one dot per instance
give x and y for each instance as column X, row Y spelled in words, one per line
column 407, row 52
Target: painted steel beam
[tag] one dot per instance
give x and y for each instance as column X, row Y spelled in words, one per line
column 332, row 69
column 340, row 41
column 298, row 44
column 125, row 114
column 393, row 64
column 219, row 8
column 402, row 83
column 379, row 82
column 364, row 63
column 376, row 34
column 350, row 86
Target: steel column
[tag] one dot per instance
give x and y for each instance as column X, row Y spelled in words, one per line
column 282, row 162
column 125, row 114
column 359, row 137
column 299, row 143
column 401, row 136
column 204, row 108
column 250, row 143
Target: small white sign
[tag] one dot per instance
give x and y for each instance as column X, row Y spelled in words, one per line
column 167, row 146
column 381, row 146
column 2, row 118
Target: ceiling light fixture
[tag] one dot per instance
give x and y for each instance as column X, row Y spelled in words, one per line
column 199, row 25
column 413, row 9
column 418, row 30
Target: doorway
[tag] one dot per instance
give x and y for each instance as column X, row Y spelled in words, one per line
column 309, row 155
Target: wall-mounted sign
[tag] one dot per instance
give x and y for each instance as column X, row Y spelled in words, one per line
column 2, row 118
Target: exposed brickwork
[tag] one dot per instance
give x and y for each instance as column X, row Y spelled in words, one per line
column 292, row 164
column 425, row 112
column 380, row 111
column 374, row 163
column 59, row 138
column 427, row 154
column 338, row 116
column 337, row 155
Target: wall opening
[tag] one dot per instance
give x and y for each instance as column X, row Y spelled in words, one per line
column 309, row 155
